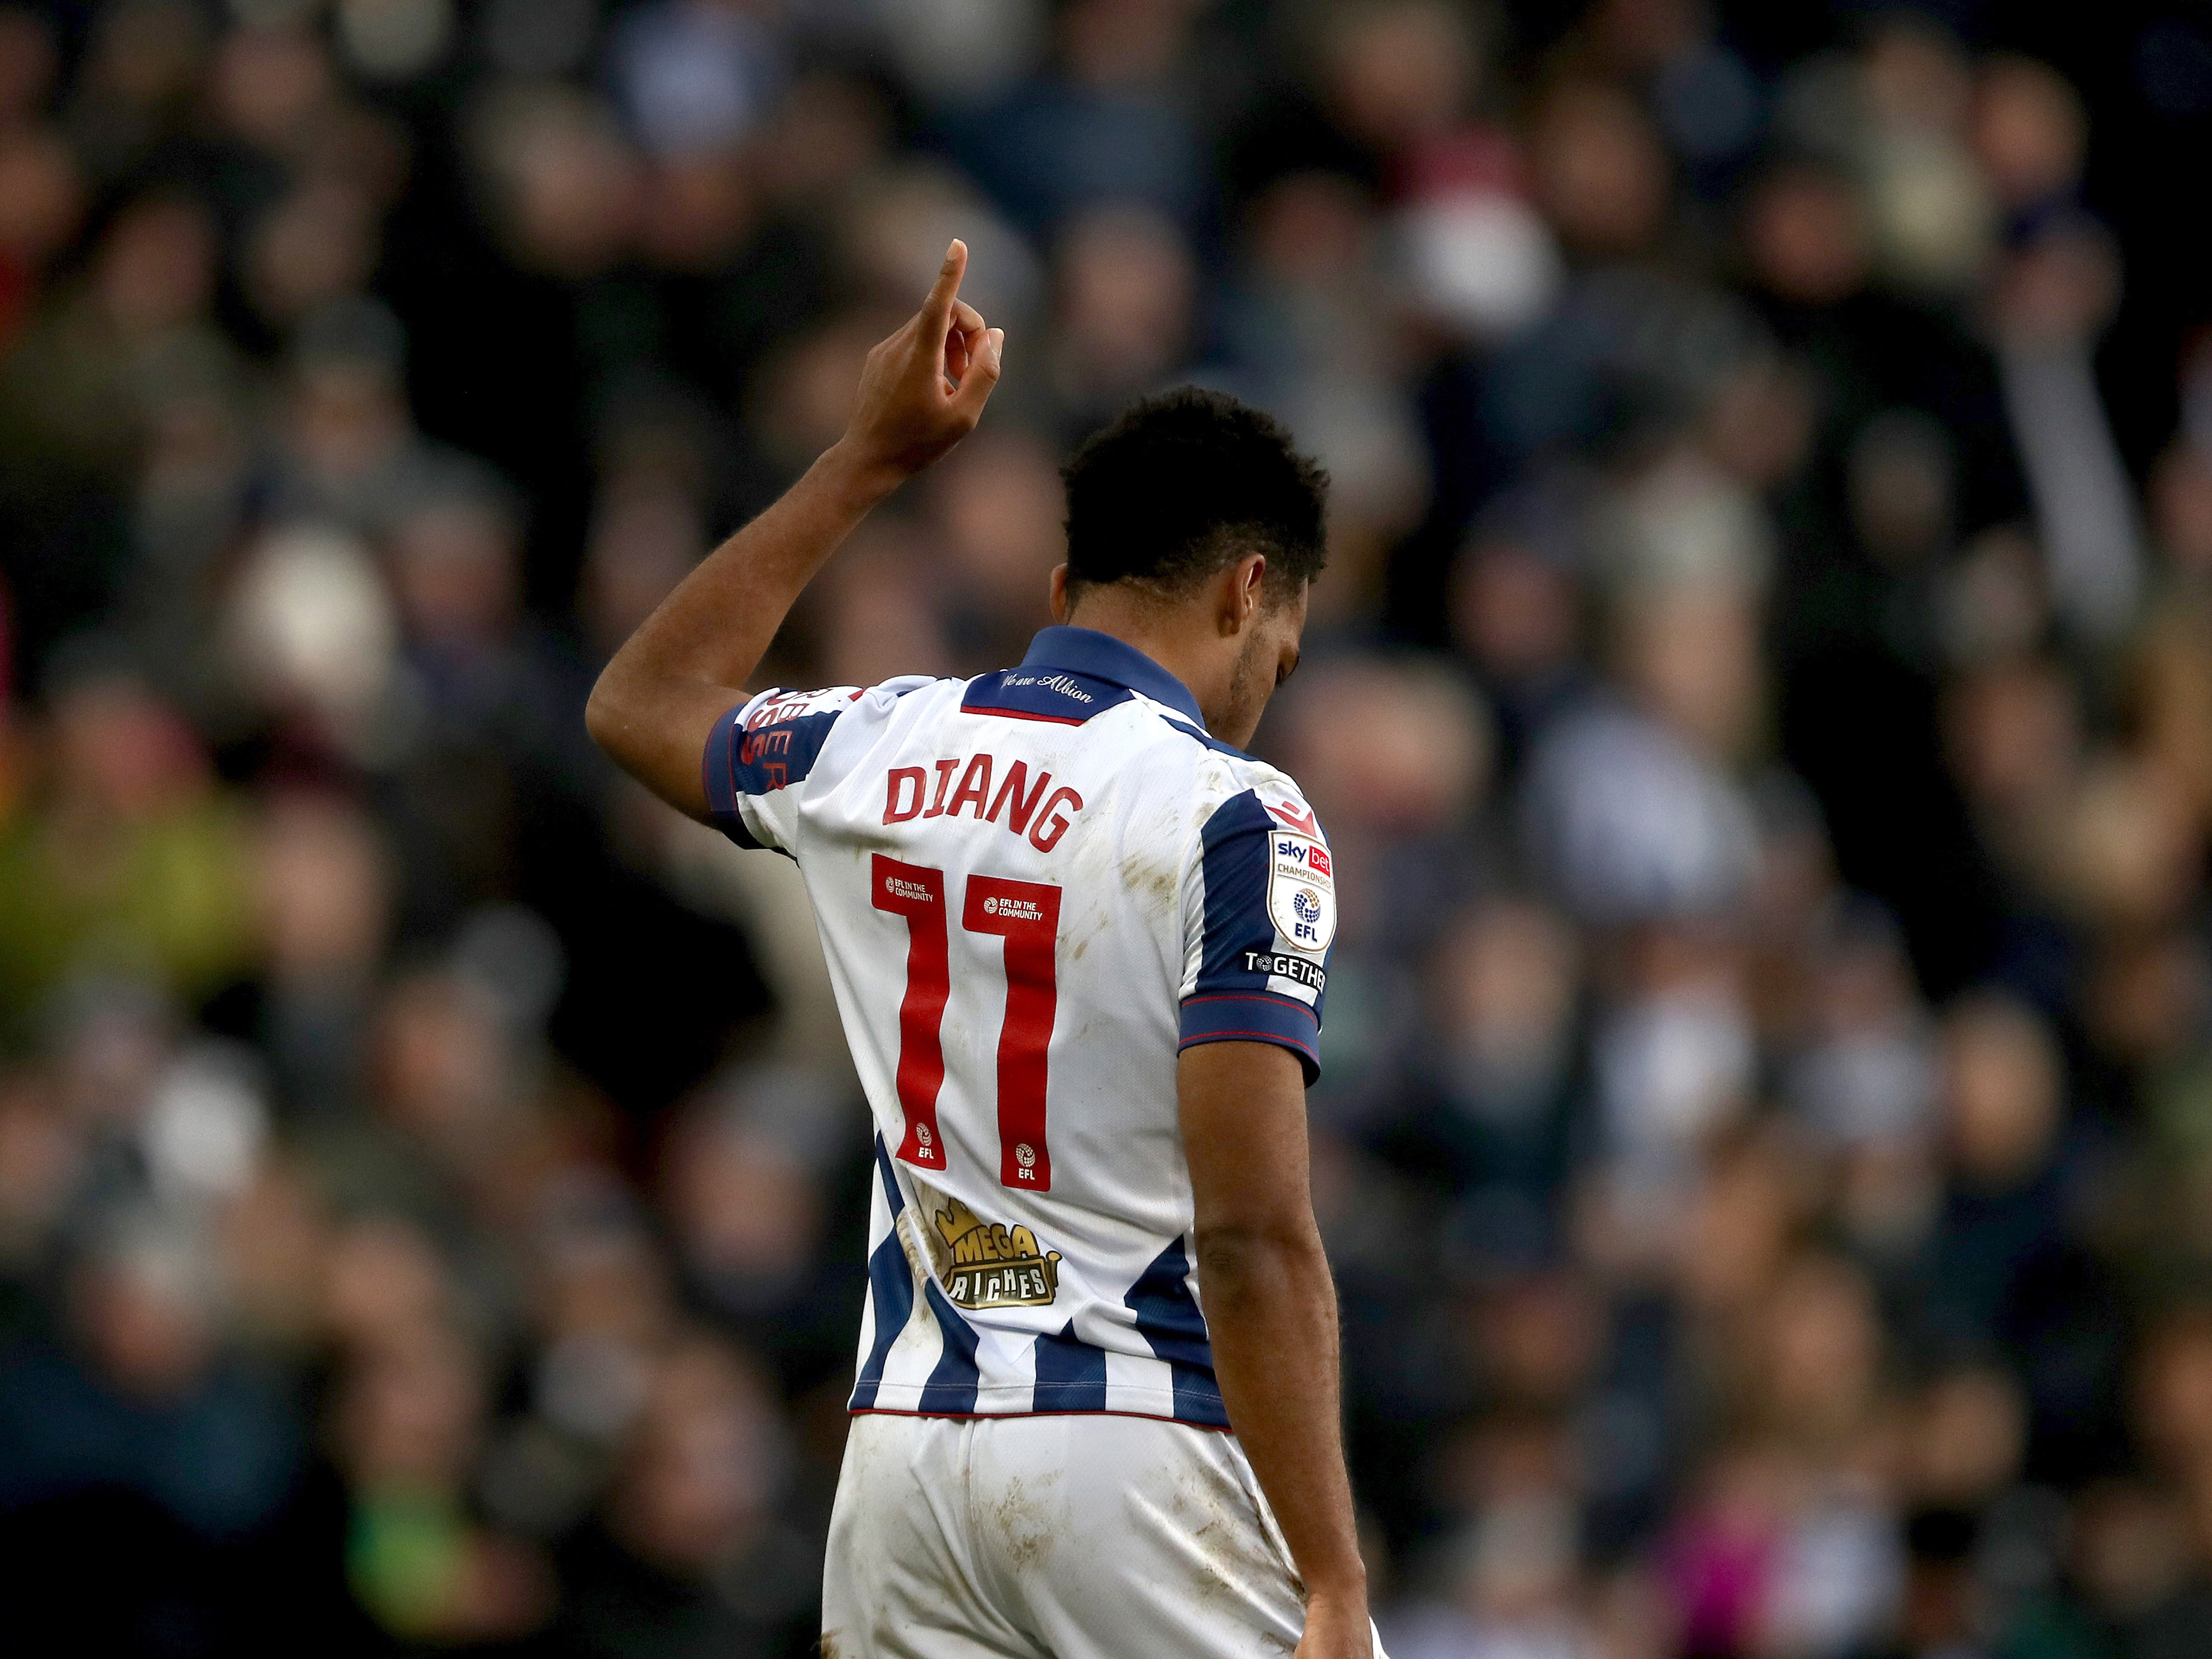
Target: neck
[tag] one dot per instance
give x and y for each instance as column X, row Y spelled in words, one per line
column 1174, row 636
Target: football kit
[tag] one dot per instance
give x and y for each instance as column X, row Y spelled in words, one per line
column 1033, row 888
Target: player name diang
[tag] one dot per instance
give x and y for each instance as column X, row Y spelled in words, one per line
column 1019, row 804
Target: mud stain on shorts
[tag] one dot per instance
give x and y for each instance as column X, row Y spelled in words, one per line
column 1028, row 1520
column 1222, row 1570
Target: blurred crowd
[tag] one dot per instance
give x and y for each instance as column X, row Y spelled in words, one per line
column 1760, row 699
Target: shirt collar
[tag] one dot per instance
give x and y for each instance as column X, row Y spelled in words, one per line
column 1103, row 657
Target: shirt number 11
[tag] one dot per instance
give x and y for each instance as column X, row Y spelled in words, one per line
column 1026, row 915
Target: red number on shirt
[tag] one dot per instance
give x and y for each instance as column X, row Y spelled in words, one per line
column 1026, row 915
column 917, row 892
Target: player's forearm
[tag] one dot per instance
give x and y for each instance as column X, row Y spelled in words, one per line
column 716, row 626
column 922, row 390
column 1271, row 1313
column 694, row 656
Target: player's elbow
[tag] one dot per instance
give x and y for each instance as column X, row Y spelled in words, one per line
column 1247, row 1246
column 605, row 719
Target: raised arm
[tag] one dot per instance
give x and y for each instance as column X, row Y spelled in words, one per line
column 922, row 391
column 1271, row 1314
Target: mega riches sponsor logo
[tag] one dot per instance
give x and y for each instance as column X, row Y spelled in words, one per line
column 995, row 1266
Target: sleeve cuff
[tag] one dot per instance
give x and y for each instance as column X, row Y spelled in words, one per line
column 718, row 772
column 1244, row 1018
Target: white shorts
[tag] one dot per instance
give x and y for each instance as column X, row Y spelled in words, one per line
column 1073, row 1537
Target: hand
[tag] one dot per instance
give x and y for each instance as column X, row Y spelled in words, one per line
column 924, row 388
column 1337, row 1628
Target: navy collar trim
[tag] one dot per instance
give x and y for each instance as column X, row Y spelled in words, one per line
column 1103, row 657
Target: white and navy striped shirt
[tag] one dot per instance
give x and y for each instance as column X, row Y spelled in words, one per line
column 1033, row 887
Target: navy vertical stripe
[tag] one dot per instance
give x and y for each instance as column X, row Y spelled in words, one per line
column 891, row 1290
column 1169, row 1320
column 1070, row 1374
column 951, row 1387
column 1167, row 1315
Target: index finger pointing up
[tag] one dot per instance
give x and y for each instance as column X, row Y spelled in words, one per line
column 937, row 307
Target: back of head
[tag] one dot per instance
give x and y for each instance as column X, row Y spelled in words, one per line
column 1186, row 484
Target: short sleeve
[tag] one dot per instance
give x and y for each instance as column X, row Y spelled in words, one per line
column 759, row 758
column 1261, row 918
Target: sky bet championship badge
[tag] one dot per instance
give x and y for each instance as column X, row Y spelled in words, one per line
column 1302, row 891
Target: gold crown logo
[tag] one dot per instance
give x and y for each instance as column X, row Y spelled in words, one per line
column 974, row 1240
column 993, row 1265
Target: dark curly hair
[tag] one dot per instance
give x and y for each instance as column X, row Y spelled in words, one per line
column 1185, row 483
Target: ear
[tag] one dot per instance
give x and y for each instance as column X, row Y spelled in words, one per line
column 1061, row 607
column 1243, row 593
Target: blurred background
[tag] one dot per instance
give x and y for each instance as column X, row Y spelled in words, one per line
column 1761, row 699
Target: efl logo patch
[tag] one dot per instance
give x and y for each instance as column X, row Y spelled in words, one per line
column 1300, row 894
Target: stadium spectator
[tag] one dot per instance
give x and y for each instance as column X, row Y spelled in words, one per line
column 1760, row 698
